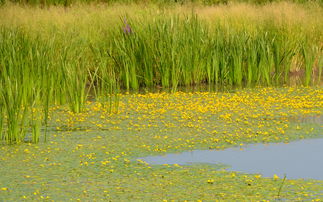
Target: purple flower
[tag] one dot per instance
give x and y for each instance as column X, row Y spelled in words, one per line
column 127, row 29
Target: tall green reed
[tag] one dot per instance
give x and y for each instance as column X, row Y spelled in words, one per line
column 38, row 71
column 104, row 80
column 17, row 93
column 173, row 51
column 36, row 74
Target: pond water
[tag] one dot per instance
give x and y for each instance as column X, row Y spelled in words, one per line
column 299, row 159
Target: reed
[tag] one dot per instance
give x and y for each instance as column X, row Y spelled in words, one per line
column 185, row 51
column 66, row 56
column 18, row 94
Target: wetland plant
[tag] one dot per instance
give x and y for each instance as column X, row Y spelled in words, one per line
column 173, row 51
column 65, row 65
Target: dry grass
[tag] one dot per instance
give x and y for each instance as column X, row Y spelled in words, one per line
column 102, row 16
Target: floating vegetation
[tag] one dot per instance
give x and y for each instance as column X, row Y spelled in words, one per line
column 93, row 150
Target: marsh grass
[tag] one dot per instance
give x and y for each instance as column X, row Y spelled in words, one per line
column 35, row 75
column 61, row 56
column 176, row 51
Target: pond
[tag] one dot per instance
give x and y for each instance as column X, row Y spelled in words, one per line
column 299, row 159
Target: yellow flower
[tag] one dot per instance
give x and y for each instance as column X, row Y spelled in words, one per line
column 257, row 176
column 275, row 177
column 210, row 181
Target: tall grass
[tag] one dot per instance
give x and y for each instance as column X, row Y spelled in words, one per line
column 63, row 56
column 19, row 94
column 36, row 74
column 184, row 51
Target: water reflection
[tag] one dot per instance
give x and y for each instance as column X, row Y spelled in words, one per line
column 299, row 159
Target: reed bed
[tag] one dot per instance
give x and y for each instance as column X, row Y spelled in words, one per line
column 60, row 56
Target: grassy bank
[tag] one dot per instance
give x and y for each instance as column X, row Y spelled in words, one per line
column 59, row 56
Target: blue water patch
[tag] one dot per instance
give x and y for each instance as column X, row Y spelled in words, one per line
column 299, row 159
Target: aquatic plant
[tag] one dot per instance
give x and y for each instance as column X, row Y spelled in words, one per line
column 96, row 145
column 33, row 78
column 185, row 51
column 68, row 58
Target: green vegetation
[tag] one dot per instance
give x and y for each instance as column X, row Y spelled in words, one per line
column 91, row 156
column 36, row 74
column 71, row 75
column 60, row 56
column 172, row 52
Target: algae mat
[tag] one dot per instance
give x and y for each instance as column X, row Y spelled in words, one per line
column 89, row 156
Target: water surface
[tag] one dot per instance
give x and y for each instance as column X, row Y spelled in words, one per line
column 299, row 159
